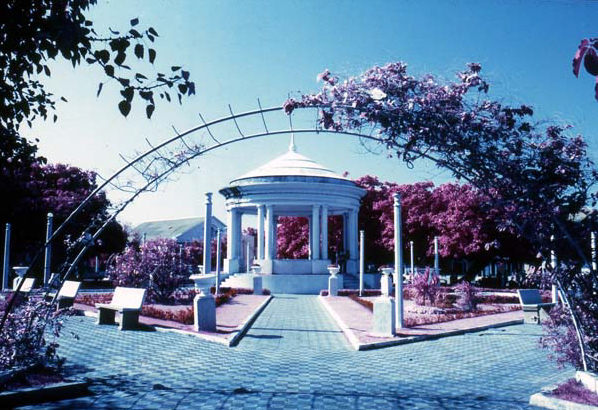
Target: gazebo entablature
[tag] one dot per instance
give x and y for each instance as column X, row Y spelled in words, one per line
column 315, row 199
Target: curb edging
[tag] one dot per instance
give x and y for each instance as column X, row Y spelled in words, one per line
column 35, row 395
column 240, row 330
column 357, row 345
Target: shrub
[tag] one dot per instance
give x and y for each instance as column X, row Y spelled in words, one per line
column 467, row 299
column 23, row 339
column 184, row 316
column 574, row 391
column 426, row 285
column 560, row 337
column 497, row 299
column 156, row 265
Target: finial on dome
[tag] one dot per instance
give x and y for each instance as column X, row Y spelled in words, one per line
column 292, row 146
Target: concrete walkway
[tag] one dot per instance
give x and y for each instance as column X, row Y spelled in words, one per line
column 495, row 369
column 294, row 322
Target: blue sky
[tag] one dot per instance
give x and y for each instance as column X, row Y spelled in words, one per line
column 238, row 51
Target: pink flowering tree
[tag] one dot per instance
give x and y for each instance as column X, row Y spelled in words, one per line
column 292, row 237
column 538, row 175
column 587, row 52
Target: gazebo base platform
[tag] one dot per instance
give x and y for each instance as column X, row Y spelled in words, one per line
column 308, row 284
column 293, row 266
column 289, row 266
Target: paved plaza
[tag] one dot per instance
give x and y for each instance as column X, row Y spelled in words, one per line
column 294, row 357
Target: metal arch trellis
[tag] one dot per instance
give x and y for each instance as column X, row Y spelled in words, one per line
column 154, row 167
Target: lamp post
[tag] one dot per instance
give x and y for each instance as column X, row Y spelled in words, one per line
column 398, row 262
column 218, row 261
column 207, row 235
column 6, row 269
column 361, row 261
column 48, row 253
column 436, row 258
column 412, row 265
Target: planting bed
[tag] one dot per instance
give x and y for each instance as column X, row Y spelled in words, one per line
column 574, row 391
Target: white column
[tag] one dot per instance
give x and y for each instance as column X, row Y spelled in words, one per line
column 310, row 239
column 315, row 224
column 239, row 235
column 260, row 231
column 207, row 235
column 324, row 232
column 593, row 244
column 269, row 232
column 353, row 252
column 6, row 270
column 48, row 254
column 398, row 262
column 230, row 218
column 274, row 236
column 218, row 243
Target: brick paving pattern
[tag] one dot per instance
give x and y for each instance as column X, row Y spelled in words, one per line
column 295, row 358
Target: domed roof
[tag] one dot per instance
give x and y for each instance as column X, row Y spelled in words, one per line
column 291, row 164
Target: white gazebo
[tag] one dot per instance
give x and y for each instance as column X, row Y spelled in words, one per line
column 292, row 185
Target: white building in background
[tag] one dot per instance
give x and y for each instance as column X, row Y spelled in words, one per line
column 182, row 230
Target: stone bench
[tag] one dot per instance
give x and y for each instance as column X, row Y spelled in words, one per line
column 28, row 284
column 66, row 295
column 127, row 302
column 534, row 311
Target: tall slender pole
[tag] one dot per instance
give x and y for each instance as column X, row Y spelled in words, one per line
column 553, row 263
column 361, row 261
column 593, row 244
column 248, row 260
column 207, row 235
column 412, row 265
column 48, row 255
column 6, row 270
column 436, row 258
column 217, row 261
column 398, row 262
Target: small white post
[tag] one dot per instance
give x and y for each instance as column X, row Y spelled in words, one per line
column 412, row 265
column 593, row 244
column 436, row 258
column 217, row 261
column 553, row 263
column 207, row 235
column 6, row 270
column 144, row 238
column 361, row 261
column 398, row 262
column 48, row 254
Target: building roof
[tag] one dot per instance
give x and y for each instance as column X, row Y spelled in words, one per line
column 181, row 230
column 291, row 164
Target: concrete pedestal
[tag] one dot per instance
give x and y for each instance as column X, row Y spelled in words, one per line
column 204, row 313
column 257, row 285
column 333, row 286
column 384, row 317
column 386, row 285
